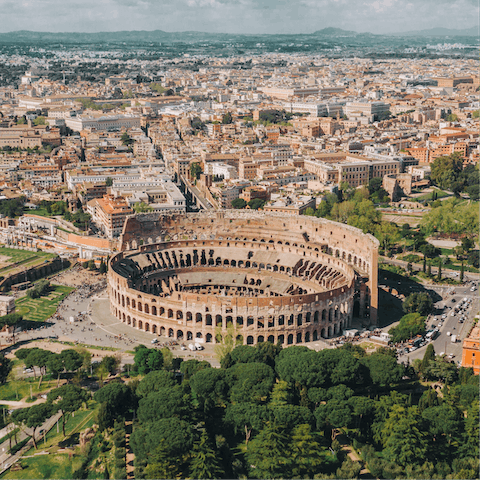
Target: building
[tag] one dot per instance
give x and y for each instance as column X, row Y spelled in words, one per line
column 370, row 110
column 273, row 277
column 103, row 123
column 109, row 214
column 220, row 170
column 289, row 204
column 356, row 170
column 313, row 109
column 288, row 92
column 471, row 351
column 7, row 305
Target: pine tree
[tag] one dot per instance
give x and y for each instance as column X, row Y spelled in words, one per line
column 429, row 356
column 429, row 269
column 439, row 275
column 462, row 271
column 424, row 264
column 204, row 462
column 269, row 455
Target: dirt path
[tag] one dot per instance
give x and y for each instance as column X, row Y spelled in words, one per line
column 353, row 455
column 130, row 457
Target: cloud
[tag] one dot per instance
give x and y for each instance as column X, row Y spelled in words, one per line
column 236, row 16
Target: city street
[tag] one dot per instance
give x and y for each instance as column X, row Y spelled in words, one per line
column 443, row 343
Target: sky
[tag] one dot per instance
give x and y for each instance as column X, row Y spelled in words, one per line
column 237, row 16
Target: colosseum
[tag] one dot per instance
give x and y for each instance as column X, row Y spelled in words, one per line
column 258, row 276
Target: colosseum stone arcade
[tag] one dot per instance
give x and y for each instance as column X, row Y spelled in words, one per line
column 272, row 277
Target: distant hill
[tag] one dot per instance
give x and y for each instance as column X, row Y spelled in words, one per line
column 332, row 32
column 439, row 32
column 143, row 36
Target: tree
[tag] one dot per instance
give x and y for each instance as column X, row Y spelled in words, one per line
column 384, row 369
column 118, row 397
column 142, row 207
column 111, row 363
column 410, row 325
column 72, row 359
column 442, row 370
column 439, row 274
column 403, row 440
column 446, row 170
column 462, row 272
column 126, row 139
column 256, row 203
column 147, row 359
column 210, row 388
column 67, row 398
column 6, row 366
column 103, row 267
column 268, row 454
column 161, row 464
column 164, row 403
column 427, row 357
column 35, row 416
column 56, row 366
column 239, row 203
column 154, row 381
column 250, row 382
column 246, row 417
column 10, row 320
column 39, row 358
column 374, row 185
column 109, row 181
column 418, row 302
column 195, row 170
column 472, row 428
column 204, row 462
column 467, row 245
column 227, row 118
column 226, row 341
column 305, row 452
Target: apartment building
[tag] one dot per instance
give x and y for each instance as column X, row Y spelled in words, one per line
column 471, row 351
column 290, row 204
column 288, row 92
column 103, row 123
column 370, row 110
column 109, row 214
column 313, row 109
column 353, row 169
column 225, row 194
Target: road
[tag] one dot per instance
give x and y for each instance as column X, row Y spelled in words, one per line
column 443, row 343
column 7, row 460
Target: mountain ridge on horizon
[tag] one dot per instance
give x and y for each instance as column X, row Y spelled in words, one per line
column 328, row 31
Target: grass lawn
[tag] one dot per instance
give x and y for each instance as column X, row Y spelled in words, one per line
column 41, row 212
column 21, row 259
column 41, row 309
column 18, row 255
column 19, row 389
column 428, row 196
column 56, row 465
column 83, row 419
column 46, row 466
